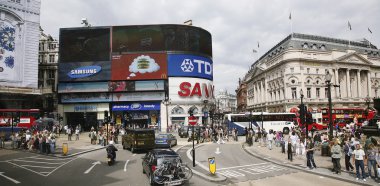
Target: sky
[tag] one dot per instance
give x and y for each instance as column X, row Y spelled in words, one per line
column 236, row 26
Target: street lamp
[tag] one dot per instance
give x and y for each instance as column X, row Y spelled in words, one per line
column 167, row 102
column 303, row 111
column 328, row 84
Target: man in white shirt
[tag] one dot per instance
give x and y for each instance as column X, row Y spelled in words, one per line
column 358, row 156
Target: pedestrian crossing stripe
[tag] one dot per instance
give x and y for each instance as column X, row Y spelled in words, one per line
column 255, row 170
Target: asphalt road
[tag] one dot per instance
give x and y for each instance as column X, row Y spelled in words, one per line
column 23, row 168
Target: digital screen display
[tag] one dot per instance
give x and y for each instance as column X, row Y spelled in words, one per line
column 84, row 44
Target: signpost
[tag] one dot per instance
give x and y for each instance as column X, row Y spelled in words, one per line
column 212, row 165
column 193, row 122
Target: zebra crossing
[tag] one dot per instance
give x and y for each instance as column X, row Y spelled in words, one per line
column 41, row 165
column 249, row 170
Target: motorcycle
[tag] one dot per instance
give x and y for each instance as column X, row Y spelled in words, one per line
column 110, row 158
column 111, row 154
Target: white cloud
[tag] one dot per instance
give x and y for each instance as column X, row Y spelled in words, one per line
column 236, row 26
column 144, row 64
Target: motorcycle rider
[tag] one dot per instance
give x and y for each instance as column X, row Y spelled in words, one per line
column 111, row 149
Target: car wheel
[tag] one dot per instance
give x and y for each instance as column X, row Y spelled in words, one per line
column 151, row 181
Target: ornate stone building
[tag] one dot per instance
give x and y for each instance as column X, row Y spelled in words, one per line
column 225, row 102
column 241, row 97
column 300, row 62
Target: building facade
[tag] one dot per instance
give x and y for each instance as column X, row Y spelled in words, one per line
column 241, row 97
column 48, row 72
column 19, row 30
column 225, row 102
column 300, row 62
column 140, row 76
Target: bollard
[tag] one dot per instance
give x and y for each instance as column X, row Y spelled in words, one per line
column 65, row 149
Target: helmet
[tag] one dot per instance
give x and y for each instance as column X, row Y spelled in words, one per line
column 111, row 143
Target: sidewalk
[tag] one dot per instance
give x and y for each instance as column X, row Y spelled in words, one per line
column 75, row 147
column 323, row 163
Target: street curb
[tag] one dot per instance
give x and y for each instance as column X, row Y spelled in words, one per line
column 302, row 169
column 204, row 176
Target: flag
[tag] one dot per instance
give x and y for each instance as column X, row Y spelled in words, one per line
column 258, row 45
column 290, row 16
column 369, row 30
column 349, row 25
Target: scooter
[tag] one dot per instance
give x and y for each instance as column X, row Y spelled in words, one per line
column 110, row 158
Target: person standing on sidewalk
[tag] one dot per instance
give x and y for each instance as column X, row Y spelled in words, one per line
column 372, row 151
column 359, row 162
column 290, row 150
column 347, row 155
column 310, row 154
column 336, row 154
column 270, row 137
column 77, row 133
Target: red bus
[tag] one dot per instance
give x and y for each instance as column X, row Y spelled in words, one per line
column 26, row 117
column 343, row 116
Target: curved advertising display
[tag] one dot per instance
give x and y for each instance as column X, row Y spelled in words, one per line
column 189, row 66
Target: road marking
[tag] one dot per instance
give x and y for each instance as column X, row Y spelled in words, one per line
column 134, row 155
column 93, row 165
column 11, row 179
column 37, row 166
column 242, row 166
column 125, row 166
column 37, row 162
column 49, row 159
column 231, row 173
column 217, row 151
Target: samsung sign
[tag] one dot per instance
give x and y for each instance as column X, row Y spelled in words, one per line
column 85, row 71
column 136, row 106
column 189, row 66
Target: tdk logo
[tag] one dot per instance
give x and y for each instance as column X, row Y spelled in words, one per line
column 203, row 66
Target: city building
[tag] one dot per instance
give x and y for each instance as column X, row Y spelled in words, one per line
column 48, row 72
column 225, row 102
column 135, row 76
column 241, row 97
column 19, row 30
column 300, row 62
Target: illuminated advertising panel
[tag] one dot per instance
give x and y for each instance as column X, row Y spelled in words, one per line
column 121, row 86
column 84, row 44
column 83, row 87
column 138, row 96
column 149, row 85
column 85, row 71
column 161, row 38
column 189, row 66
column 190, row 89
column 86, row 98
column 136, row 106
column 139, row 66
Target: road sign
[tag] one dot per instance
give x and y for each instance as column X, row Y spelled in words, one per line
column 212, row 165
column 192, row 120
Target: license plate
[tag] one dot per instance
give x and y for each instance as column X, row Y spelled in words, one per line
column 179, row 182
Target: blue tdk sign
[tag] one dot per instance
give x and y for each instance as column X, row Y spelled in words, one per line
column 190, row 66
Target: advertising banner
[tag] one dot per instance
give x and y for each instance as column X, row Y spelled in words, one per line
column 191, row 90
column 138, row 96
column 121, row 86
column 137, row 106
column 85, row 71
column 139, row 66
column 190, row 66
column 84, row 44
column 149, row 85
column 83, row 87
column 86, row 98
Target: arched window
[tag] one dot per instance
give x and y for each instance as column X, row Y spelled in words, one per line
column 194, row 109
column 178, row 110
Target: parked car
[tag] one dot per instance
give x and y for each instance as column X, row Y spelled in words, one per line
column 183, row 132
column 138, row 139
column 165, row 140
column 164, row 166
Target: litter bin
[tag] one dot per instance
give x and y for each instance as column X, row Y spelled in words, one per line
column 65, row 149
column 325, row 149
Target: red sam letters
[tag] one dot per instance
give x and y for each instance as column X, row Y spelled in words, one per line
column 198, row 90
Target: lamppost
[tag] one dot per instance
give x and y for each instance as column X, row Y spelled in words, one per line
column 250, row 120
column 328, row 84
column 167, row 102
column 302, row 114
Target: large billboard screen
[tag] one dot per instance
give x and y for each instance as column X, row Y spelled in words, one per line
column 86, row 98
column 161, row 38
column 84, row 44
column 85, row 71
column 189, row 66
column 83, row 87
column 190, row 90
column 139, row 66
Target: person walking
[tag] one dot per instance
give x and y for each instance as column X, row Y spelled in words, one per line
column 310, row 154
column 290, row 150
column 347, row 156
column 372, row 151
column 336, row 154
column 270, row 138
column 359, row 162
column 77, row 133
column 68, row 133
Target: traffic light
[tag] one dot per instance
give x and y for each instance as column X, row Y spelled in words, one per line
column 106, row 115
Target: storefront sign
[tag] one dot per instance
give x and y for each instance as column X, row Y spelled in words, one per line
column 190, row 66
column 84, row 71
column 87, row 108
column 136, row 106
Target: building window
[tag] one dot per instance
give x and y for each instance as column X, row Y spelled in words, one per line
column 51, row 58
column 317, row 70
column 315, row 46
column 292, row 70
column 308, row 70
column 323, row 47
column 294, row 93
column 51, row 74
column 317, row 91
column 308, row 92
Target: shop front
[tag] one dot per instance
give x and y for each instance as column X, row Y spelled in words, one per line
column 137, row 114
